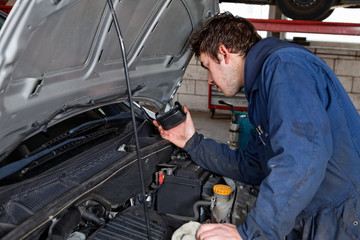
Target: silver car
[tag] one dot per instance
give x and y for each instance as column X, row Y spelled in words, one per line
column 69, row 165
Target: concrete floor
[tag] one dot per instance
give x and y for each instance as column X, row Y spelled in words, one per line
column 216, row 128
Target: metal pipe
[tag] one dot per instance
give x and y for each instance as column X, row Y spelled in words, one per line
column 126, row 71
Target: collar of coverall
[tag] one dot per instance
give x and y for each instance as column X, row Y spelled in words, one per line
column 256, row 58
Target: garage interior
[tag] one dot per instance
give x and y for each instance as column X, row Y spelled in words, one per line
column 212, row 118
column 342, row 57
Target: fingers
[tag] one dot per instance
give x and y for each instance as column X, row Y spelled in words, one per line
column 188, row 115
column 160, row 128
column 217, row 231
column 180, row 134
column 156, row 123
column 205, row 228
column 209, row 226
column 186, row 110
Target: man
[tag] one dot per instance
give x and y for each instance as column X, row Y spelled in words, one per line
column 305, row 154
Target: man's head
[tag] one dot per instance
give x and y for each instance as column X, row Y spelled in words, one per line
column 235, row 33
column 222, row 45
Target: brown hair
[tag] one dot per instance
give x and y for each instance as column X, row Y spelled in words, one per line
column 235, row 33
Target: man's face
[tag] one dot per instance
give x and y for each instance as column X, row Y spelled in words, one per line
column 228, row 74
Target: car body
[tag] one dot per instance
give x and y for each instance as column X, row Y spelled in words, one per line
column 313, row 10
column 69, row 168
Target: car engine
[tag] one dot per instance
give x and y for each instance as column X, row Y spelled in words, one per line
column 89, row 186
column 181, row 192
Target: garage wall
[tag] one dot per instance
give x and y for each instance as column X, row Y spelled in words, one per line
column 343, row 58
column 193, row 91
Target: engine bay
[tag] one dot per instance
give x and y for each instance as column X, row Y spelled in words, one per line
column 89, row 186
column 181, row 192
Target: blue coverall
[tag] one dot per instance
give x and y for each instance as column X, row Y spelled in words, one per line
column 305, row 154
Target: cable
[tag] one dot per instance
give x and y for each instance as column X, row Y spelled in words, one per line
column 126, row 71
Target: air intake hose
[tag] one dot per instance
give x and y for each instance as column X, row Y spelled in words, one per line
column 66, row 225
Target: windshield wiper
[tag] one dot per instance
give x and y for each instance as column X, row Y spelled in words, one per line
column 120, row 116
column 81, row 129
column 44, row 124
column 50, row 148
column 18, row 165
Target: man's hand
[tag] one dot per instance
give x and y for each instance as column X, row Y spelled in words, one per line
column 217, row 231
column 180, row 134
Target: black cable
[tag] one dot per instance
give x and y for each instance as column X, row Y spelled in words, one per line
column 126, row 71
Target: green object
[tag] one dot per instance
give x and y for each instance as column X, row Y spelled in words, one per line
column 245, row 129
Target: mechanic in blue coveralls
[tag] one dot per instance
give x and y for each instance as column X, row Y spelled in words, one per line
column 305, row 154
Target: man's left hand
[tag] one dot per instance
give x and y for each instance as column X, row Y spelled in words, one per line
column 217, row 231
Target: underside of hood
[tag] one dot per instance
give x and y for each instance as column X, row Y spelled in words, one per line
column 62, row 57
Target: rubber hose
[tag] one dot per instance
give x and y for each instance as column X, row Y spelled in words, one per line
column 66, row 225
column 91, row 217
column 195, row 209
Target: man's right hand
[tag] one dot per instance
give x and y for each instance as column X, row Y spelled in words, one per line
column 180, row 134
column 218, row 231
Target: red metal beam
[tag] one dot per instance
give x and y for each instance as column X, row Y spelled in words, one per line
column 223, row 107
column 5, row 9
column 278, row 25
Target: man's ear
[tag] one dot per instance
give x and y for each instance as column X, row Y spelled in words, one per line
column 224, row 53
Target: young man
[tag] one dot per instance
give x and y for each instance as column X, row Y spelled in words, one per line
column 305, row 154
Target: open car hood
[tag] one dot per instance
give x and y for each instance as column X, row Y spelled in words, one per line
column 62, row 57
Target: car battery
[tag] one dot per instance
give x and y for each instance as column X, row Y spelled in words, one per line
column 182, row 188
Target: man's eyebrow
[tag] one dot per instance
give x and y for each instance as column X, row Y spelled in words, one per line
column 202, row 65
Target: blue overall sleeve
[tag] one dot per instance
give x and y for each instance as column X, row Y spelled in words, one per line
column 219, row 158
column 300, row 136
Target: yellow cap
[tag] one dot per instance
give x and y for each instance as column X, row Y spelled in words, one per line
column 222, row 189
